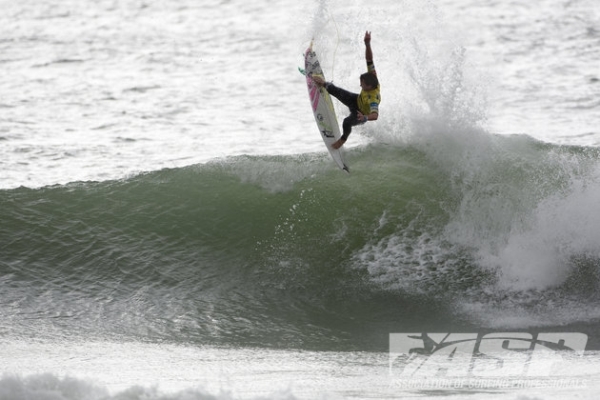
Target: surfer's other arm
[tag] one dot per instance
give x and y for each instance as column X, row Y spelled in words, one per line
column 369, row 117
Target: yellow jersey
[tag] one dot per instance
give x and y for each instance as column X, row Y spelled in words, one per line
column 368, row 101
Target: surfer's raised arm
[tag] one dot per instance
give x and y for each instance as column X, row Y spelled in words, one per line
column 369, row 53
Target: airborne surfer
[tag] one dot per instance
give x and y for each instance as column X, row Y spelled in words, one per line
column 363, row 106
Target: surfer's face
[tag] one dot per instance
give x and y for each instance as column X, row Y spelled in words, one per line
column 364, row 86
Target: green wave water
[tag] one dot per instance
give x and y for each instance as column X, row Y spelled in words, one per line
column 455, row 233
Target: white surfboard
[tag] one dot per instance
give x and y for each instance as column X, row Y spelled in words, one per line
column 322, row 107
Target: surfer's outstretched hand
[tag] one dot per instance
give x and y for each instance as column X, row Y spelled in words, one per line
column 367, row 37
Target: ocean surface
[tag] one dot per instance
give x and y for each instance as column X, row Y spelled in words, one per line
column 172, row 227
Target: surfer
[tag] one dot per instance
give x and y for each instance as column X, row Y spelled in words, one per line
column 363, row 106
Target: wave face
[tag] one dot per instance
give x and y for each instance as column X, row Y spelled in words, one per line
column 461, row 231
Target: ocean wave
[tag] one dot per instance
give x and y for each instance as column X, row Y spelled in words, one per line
column 439, row 227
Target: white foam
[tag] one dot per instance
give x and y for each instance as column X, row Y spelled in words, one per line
column 564, row 226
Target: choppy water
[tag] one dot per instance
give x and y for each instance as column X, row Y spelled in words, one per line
column 169, row 217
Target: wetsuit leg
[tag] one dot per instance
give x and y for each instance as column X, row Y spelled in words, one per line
column 350, row 121
column 349, row 100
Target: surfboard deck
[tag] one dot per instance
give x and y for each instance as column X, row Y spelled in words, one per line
column 322, row 107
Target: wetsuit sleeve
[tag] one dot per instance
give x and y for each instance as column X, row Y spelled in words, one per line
column 371, row 67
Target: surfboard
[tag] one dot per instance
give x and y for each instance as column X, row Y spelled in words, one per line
column 322, row 107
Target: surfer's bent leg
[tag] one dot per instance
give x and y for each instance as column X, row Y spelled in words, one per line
column 350, row 121
column 347, row 98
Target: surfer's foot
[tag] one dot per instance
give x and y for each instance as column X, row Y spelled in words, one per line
column 338, row 144
column 320, row 82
